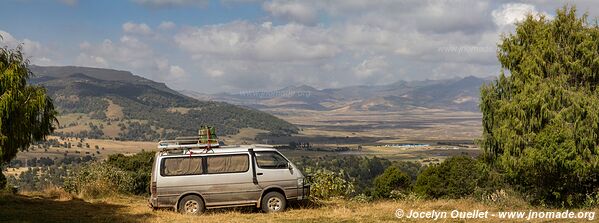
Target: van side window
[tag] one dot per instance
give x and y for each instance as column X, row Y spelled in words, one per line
column 228, row 163
column 177, row 166
column 271, row 160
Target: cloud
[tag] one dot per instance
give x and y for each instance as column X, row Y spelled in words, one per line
column 136, row 28
column 33, row 50
column 176, row 71
column 130, row 53
column 291, row 11
column 264, row 42
column 511, row 13
column 166, row 25
column 374, row 43
column 370, row 66
column 172, row 3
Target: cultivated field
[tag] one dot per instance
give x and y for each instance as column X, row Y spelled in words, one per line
column 414, row 125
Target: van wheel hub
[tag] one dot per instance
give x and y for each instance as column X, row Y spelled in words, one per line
column 274, row 203
column 191, row 206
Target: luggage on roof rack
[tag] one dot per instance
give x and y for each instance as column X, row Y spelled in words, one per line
column 206, row 138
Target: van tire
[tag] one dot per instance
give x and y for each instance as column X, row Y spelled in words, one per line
column 191, row 204
column 273, row 202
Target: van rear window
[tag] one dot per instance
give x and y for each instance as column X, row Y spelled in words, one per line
column 227, row 163
column 181, row 166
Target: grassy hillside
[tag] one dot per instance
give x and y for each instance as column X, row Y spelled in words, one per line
column 118, row 104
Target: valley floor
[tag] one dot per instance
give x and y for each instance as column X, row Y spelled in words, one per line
column 58, row 207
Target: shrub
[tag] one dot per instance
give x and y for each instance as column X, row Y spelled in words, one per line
column 412, row 169
column 141, row 161
column 456, row 177
column 391, row 180
column 139, row 166
column 326, row 184
column 99, row 180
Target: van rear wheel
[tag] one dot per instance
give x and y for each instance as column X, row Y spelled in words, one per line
column 273, row 202
column 191, row 204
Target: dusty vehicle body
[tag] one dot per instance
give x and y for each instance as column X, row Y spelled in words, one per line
column 251, row 175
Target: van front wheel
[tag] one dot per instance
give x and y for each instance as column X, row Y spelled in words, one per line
column 273, row 202
column 191, row 204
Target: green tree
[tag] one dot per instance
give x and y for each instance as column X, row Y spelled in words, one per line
column 26, row 112
column 541, row 116
column 455, row 177
column 391, row 179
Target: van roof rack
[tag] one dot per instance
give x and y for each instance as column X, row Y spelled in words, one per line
column 206, row 139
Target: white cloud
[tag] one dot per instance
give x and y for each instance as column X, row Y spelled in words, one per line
column 137, row 28
column 249, row 41
column 166, row 25
column 511, row 13
column 292, row 11
column 364, row 43
column 370, row 66
column 130, row 53
column 33, row 50
column 176, row 71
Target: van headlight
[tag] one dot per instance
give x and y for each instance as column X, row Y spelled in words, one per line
column 300, row 181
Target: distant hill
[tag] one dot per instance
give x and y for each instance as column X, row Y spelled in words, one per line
column 461, row 94
column 105, row 103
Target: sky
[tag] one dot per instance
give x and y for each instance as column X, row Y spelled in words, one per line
column 243, row 45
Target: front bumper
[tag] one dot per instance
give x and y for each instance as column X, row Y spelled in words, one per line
column 153, row 202
column 305, row 191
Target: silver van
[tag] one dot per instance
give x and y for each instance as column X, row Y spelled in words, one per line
column 192, row 180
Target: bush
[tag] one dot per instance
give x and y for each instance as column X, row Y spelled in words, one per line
column 392, row 179
column 456, row 177
column 139, row 166
column 326, row 184
column 99, row 180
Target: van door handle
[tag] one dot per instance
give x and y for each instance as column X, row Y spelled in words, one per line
column 259, row 173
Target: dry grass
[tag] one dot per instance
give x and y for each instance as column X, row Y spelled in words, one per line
column 51, row 206
column 51, row 193
column 114, row 111
column 110, row 147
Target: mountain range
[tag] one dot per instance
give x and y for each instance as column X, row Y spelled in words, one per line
column 117, row 104
column 461, row 94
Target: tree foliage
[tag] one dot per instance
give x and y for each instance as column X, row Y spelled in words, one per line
column 26, row 112
column 391, row 179
column 138, row 166
column 327, row 184
column 455, row 177
column 541, row 116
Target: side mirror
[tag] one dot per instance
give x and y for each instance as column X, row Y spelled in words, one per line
column 289, row 166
